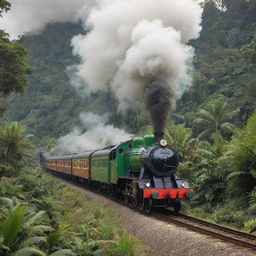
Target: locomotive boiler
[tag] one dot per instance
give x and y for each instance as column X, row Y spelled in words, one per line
column 141, row 171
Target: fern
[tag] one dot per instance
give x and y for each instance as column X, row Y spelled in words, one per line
column 64, row 252
column 29, row 251
column 12, row 225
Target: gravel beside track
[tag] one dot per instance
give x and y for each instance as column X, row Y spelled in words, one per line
column 166, row 239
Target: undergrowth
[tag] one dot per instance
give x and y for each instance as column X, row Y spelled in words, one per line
column 40, row 215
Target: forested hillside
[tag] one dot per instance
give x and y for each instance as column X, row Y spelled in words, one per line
column 50, row 107
column 224, row 60
column 224, row 66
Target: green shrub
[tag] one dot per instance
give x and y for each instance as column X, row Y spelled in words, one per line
column 105, row 231
column 250, row 226
column 124, row 246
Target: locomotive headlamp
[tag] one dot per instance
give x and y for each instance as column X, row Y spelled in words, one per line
column 147, row 184
column 163, row 143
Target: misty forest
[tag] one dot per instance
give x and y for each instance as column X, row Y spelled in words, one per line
column 90, row 77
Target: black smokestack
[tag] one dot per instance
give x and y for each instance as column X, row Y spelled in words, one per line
column 159, row 100
column 158, row 137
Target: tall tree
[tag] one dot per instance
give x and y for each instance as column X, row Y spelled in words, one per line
column 241, row 158
column 13, row 67
column 214, row 118
column 14, row 148
column 4, row 6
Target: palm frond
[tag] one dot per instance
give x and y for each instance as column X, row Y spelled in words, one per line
column 64, row 252
column 41, row 229
column 8, row 201
column 204, row 133
column 200, row 121
column 207, row 115
column 36, row 218
column 12, row 225
column 228, row 127
column 236, row 175
column 29, row 251
column 34, row 240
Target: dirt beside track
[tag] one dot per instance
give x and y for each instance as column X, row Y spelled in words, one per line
column 167, row 239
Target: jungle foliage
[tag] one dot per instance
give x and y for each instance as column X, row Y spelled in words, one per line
column 35, row 215
column 13, row 65
column 213, row 128
column 35, row 219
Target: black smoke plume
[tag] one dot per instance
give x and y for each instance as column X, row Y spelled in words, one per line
column 159, row 100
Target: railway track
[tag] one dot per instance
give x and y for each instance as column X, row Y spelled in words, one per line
column 211, row 229
column 240, row 238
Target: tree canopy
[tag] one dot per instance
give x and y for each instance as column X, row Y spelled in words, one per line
column 4, row 6
column 13, row 66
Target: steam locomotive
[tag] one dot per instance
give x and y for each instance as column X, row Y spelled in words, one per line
column 140, row 171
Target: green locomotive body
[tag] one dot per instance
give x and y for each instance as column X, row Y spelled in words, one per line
column 119, row 162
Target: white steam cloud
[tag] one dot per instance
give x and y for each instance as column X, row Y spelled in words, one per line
column 93, row 133
column 137, row 48
column 31, row 16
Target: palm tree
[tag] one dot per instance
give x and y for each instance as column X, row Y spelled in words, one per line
column 215, row 150
column 14, row 147
column 241, row 156
column 21, row 233
column 178, row 136
column 214, row 119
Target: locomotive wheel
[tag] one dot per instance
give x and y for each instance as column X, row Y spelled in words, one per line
column 134, row 202
column 148, row 206
column 141, row 206
column 126, row 199
column 176, row 207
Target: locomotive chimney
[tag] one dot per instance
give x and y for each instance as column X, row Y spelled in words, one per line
column 158, row 136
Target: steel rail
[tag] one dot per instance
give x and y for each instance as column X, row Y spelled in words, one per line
column 215, row 225
column 211, row 229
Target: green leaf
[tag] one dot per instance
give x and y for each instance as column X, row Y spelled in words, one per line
column 29, row 251
column 12, row 225
column 41, row 229
column 64, row 252
column 34, row 219
column 34, row 240
column 8, row 201
column 235, row 175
